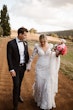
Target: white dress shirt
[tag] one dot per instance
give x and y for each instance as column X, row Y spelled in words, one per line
column 21, row 50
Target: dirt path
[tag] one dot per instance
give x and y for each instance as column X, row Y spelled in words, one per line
column 64, row 99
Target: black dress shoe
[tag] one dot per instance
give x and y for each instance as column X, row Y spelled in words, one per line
column 21, row 100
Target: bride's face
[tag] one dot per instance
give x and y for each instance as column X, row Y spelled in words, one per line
column 43, row 42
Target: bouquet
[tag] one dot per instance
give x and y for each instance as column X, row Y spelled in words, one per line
column 61, row 48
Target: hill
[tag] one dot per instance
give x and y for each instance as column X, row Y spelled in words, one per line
column 60, row 33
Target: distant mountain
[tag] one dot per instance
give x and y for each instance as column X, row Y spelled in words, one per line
column 59, row 33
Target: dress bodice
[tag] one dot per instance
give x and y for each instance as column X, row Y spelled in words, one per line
column 39, row 50
column 41, row 53
column 43, row 56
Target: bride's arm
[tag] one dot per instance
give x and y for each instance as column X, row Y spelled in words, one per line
column 54, row 60
column 54, row 50
column 35, row 51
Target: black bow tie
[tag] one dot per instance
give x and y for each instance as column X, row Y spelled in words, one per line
column 20, row 41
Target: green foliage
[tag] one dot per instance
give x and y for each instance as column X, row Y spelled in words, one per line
column 54, row 35
column 5, row 21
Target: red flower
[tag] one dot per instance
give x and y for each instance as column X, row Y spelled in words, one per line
column 64, row 51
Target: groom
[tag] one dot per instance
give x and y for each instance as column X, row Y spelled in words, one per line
column 17, row 57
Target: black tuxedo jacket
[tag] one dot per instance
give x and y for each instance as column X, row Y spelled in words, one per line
column 13, row 56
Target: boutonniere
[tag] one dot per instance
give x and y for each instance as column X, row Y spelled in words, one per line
column 25, row 42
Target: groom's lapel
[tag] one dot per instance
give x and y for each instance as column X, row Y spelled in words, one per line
column 16, row 47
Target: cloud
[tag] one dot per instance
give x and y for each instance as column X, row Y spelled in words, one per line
column 56, row 3
column 52, row 14
column 41, row 14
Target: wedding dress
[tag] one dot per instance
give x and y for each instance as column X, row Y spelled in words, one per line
column 46, row 76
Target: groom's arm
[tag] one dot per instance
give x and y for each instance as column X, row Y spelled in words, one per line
column 26, row 53
column 9, row 56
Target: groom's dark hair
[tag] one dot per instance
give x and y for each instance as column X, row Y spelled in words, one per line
column 22, row 30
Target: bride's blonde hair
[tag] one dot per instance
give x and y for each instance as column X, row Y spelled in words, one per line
column 42, row 36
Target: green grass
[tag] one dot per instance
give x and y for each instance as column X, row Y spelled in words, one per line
column 67, row 61
column 66, row 66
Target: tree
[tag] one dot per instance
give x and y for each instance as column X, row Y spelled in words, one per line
column 5, row 21
column 32, row 30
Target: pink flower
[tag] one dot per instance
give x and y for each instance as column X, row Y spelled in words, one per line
column 62, row 49
column 59, row 47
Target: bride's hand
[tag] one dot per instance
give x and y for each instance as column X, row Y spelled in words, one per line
column 57, row 54
column 28, row 67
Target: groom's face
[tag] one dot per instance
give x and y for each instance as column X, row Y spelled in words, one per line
column 22, row 36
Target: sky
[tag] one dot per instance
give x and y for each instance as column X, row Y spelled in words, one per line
column 43, row 15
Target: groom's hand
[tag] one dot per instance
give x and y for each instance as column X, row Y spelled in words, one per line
column 13, row 73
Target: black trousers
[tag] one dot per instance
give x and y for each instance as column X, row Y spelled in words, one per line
column 17, row 81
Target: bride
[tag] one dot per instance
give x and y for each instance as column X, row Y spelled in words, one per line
column 46, row 74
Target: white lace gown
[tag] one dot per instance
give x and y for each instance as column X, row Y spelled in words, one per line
column 46, row 76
